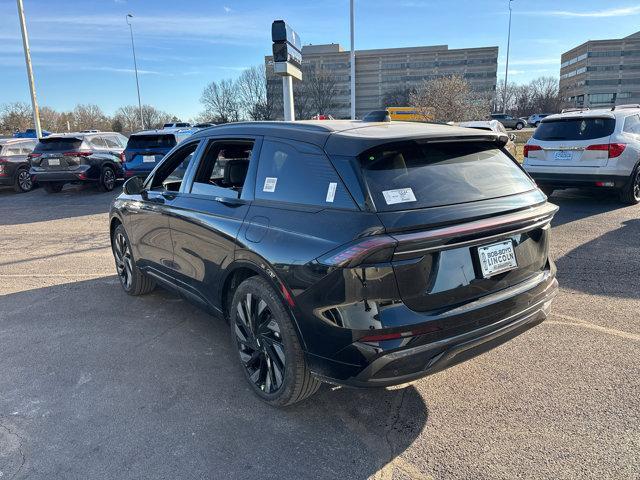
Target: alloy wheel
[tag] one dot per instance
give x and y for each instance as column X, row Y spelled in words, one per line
column 124, row 264
column 260, row 343
column 636, row 185
column 109, row 179
column 24, row 181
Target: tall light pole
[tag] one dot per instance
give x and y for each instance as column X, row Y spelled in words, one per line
column 506, row 72
column 135, row 66
column 27, row 59
column 353, row 66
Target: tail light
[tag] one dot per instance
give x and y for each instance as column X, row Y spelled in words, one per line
column 79, row 153
column 371, row 250
column 123, row 158
column 33, row 155
column 614, row 149
column 419, row 330
column 531, row 148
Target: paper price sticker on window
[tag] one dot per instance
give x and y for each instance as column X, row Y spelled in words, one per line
column 400, row 195
column 331, row 192
column 270, row 184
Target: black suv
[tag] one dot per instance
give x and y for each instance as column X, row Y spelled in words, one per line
column 14, row 163
column 78, row 158
column 355, row 253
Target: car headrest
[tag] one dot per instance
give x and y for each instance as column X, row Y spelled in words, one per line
column 235, row 172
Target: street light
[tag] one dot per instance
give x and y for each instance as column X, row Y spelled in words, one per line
column 506, row 72
column 135, row 66
column 27, row 59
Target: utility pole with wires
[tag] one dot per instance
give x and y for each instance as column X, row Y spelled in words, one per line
column 506, row 72
column 27, row 59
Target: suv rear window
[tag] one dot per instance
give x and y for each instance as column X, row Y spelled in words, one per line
column 409, row 175
column 151, row 141
column 58, row 144
column 575, row 129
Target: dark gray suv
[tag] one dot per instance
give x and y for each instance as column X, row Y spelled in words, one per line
column 508, row 121
column 78, row 158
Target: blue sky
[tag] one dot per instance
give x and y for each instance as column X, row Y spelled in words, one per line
column 81, row 51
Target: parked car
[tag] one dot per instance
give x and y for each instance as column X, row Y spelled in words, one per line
column 508, row 121
column 356, row 253
column 145, row 149
column 535, row 119
column 30, row 133
column 78, row 158
column 177, row 125
column 593, row 148
column 494, row 126
column 204, row 125
column 14, row 163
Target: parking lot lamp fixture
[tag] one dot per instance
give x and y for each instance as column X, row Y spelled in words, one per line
column 506, row 72
column 135, row 66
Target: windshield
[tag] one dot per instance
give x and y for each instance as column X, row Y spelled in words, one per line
column 575, row 129
column 409, row 175
column 58, row 144
column 151, row 141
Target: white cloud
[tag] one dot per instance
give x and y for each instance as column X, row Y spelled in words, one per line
column 610, row 12
column 227, row 9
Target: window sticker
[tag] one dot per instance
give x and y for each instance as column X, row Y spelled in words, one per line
column 331, row 192
column 400, row 195
column 270, row 184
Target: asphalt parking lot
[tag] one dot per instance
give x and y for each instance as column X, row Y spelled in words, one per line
column 99, row 385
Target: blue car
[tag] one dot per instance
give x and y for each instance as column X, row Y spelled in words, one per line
column 30, row 133
column 145, row 149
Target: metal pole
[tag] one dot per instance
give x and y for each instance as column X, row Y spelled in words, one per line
column 287, row 96
column 506, row 72
column 27, row 59
column 135, row 66
column 353, row 66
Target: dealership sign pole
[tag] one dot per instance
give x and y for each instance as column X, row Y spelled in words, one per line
column 27, row 59
column 287, row 62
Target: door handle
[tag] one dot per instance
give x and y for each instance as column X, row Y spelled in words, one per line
column 169, row 195
column 227, row 201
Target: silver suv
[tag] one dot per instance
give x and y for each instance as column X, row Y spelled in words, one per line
column 588, row 148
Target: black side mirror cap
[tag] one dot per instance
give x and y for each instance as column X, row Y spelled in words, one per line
column 133, row 186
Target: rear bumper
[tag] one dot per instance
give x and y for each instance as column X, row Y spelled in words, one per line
column 577, row 180
column 519, row 310
column 83, row 173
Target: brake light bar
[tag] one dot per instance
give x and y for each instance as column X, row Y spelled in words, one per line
column 614, row 149
column 34, row 155
column 531, row 148
column 420, row 330
column 79, row 153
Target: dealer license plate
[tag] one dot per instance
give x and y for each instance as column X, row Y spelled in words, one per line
column 148, row 158
column 562, row 155
column 497, row 258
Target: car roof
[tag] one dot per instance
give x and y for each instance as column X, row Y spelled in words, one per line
column 78, row 135
column 12, row 140
column 346, row 137
column 155, row 132
column 596, row 113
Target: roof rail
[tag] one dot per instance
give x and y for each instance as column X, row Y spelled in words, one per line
column 566, row 110
column 627, row 105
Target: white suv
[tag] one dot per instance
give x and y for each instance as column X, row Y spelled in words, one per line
column 588, row 148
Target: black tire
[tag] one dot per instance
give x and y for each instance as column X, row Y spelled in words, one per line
column 630, row 194
column 52, row 187
column 133, row 281
column 265, row 338
column 519, row 126
column 107, row 180
column 24, row 182
column 547, row 190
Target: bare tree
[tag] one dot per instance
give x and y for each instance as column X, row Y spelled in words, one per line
column 252, row 88
column 221, row 103
column 398, row 97
column 321, row 87
column 154, row 118
column 90, row 116
column 546, row 94
column 15, row 116
column 302, row 105
column 127, row 119
column 449, row 99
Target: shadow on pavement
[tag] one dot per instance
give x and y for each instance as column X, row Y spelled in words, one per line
column 73, row 201
column 97, row 384
column 578, row 204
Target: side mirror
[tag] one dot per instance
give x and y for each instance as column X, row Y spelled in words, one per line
column 513, row 137
column 133, row 186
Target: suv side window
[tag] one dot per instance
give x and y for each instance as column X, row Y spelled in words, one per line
column 111, row 142
column 295, row 175
column 632, row 125
column 96, row 142
column 171, row 171
column 223, row 168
